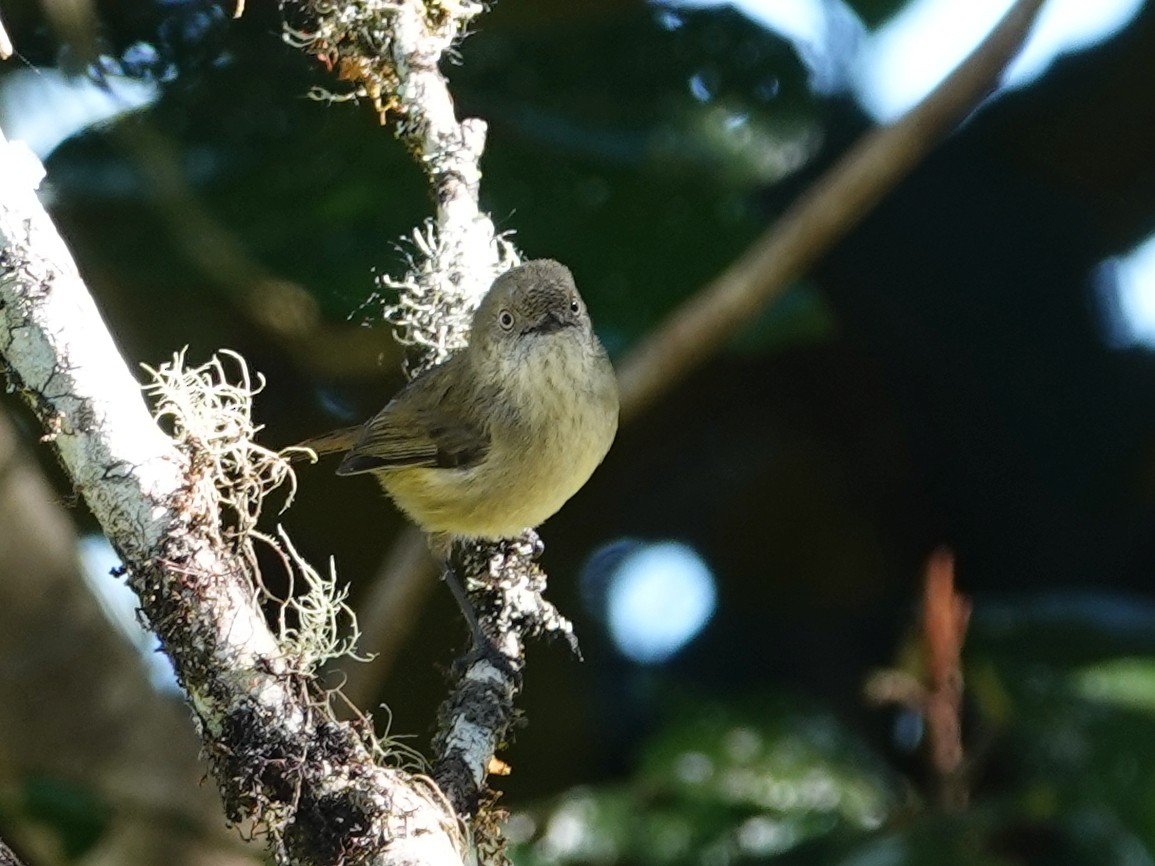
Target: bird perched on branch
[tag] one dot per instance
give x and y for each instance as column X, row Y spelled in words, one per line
column 496, row 439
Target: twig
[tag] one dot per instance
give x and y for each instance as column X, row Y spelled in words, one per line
column 936, row 695
column 945, row 614
column 280, row 758
column 822, row 216
column 391, row 53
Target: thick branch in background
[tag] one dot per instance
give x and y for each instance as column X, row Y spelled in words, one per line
column 391, row 53
column 837, row 202
column 281, row 760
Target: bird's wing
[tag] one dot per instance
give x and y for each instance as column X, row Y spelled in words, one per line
column 416, row 430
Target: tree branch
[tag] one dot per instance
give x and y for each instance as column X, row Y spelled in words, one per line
column 391, row 52
column 97, row 722
column 823, row 215
column 7, row 858
column 280, row 758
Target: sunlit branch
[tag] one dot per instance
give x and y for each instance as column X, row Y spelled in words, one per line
column 281, row 760
column 7, row 858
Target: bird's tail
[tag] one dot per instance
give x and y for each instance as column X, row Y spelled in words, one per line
column 333, row 442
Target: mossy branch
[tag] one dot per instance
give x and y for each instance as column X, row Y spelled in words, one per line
column 389, row 53
column 181, row 512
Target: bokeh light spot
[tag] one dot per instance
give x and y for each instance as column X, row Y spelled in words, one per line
column 658, row 597
column 1127, row 297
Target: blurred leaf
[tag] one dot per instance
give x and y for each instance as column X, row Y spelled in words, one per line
column 1125, row 682
column 1075, row 691
column 719, row 785
column 781, row 758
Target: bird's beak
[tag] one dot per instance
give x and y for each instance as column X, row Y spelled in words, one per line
column 550, row 322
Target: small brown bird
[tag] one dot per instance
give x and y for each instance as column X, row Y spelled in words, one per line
column 496, row 439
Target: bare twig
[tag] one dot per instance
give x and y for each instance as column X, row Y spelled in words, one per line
column 936, row 693
column 823, row 215
column 281, row 760
column 945, row 614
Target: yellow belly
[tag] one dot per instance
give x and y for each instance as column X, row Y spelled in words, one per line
column 483, row 503
column 540, row 454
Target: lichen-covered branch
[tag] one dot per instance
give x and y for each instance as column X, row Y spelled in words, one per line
column 7, row 858
column 390, row 52
column 478, row 717
column 284, row 766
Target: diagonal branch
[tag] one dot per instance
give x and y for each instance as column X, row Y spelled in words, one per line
column 815, row 222
column 281, row 760
column 7, row 858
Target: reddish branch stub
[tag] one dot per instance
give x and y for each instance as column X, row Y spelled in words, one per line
column 945, row 616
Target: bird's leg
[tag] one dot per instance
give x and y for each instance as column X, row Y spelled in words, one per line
column 444, row 546
column 449, row 575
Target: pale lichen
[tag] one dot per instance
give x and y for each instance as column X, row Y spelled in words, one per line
column 209, row 412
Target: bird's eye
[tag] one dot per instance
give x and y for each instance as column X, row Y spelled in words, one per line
column 505, row 319
column 573, row 306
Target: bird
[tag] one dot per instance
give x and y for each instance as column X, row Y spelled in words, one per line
column 497, row 438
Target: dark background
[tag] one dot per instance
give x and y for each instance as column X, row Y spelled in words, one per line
column 944, row 376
